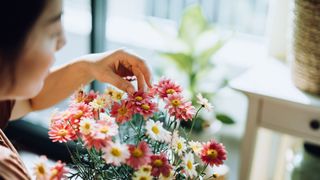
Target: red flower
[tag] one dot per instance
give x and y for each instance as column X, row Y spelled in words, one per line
column 160, row 165
column 139, row 155
column 58, row 171
column 61, row 131
column 213, row 153
column 167, row 86
column 121, row 112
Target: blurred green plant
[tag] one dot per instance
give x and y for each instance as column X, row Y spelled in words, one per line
column 194, row 31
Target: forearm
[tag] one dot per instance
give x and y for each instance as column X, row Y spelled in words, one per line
column 60, row 84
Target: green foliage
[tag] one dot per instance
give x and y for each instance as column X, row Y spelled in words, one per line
column 196, row 63
column 224, row 118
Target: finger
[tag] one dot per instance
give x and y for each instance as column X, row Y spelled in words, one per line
column 146, row 73
column 120, row 83
column 140, row 80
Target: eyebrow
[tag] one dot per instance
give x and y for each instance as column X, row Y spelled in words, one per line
column 55, row 18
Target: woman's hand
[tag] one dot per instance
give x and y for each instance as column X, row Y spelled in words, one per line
column 113, row 67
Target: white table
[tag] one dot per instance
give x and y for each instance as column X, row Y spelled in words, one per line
column 276, row 104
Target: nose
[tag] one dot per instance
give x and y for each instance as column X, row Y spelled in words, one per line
column 61, row 41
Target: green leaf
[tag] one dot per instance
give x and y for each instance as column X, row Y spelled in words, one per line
column 225, row 119
column 183, row 61
column 193, row 23
column 205, row 56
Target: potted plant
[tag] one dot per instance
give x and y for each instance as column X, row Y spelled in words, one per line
column 201, row 42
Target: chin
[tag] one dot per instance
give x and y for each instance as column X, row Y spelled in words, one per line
column 29, row 92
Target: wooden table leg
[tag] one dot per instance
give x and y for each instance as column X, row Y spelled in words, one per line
column 249, row 139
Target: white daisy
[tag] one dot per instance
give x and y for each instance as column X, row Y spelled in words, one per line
column 204, row 102
column 100, row 102
column 116, row 153
column 139, row 175
column 106, row 128
column 40, row 169
column 87, row 126
column 190, row 167
column 157, row 132
column 106, row 117
column 179, row 145
column 195, row 146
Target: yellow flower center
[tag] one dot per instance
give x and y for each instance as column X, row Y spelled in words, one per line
column 137, row 153
column 62, row 132
column 54, row 172
column 99, row 102
column 158, row 163
column 143, row 178
column 78, row 115
column 189, row 165
column 170, row 91
column 87, row 126
column 179, row 145
column 212, row 153
column 155, row 130
column 110, row 93
column 145, row 106
column 146, row 169
column 104, row 130
column 138, row 98
column 116, row 152
column 41, row 170
column 122, row 110
column 118, row 96
column 175, row 102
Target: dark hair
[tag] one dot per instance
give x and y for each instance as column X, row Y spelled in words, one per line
column 17, row 18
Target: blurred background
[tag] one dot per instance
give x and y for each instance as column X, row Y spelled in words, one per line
column 202, row 44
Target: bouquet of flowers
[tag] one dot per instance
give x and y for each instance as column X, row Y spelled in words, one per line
column 122, row 136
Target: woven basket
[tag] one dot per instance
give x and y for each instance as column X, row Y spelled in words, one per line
column 306, row 45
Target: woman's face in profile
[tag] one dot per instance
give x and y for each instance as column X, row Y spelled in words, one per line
column 45, row 38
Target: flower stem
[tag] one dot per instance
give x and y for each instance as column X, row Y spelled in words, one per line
column 193, row 122
column 140, row 127
column 205, row 167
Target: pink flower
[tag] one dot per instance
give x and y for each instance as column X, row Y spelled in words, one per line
column 121, row 112
column 81, row 96
column 160, row 165
column 61, row 131
column 96, row 141
column 58, row 171
column 102, row 134
column 179, row 107
column 141, row 103
column 80, row 110
column 174, row 101
column 106, row 128
column 167, row 86
column 213, row 153
column 139, row 155
column 77, row 112
column 185, row 112
column 147, row 109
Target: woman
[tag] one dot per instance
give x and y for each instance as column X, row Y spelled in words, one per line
column 30, row 34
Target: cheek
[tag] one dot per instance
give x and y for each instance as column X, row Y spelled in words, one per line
column 32, row 71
